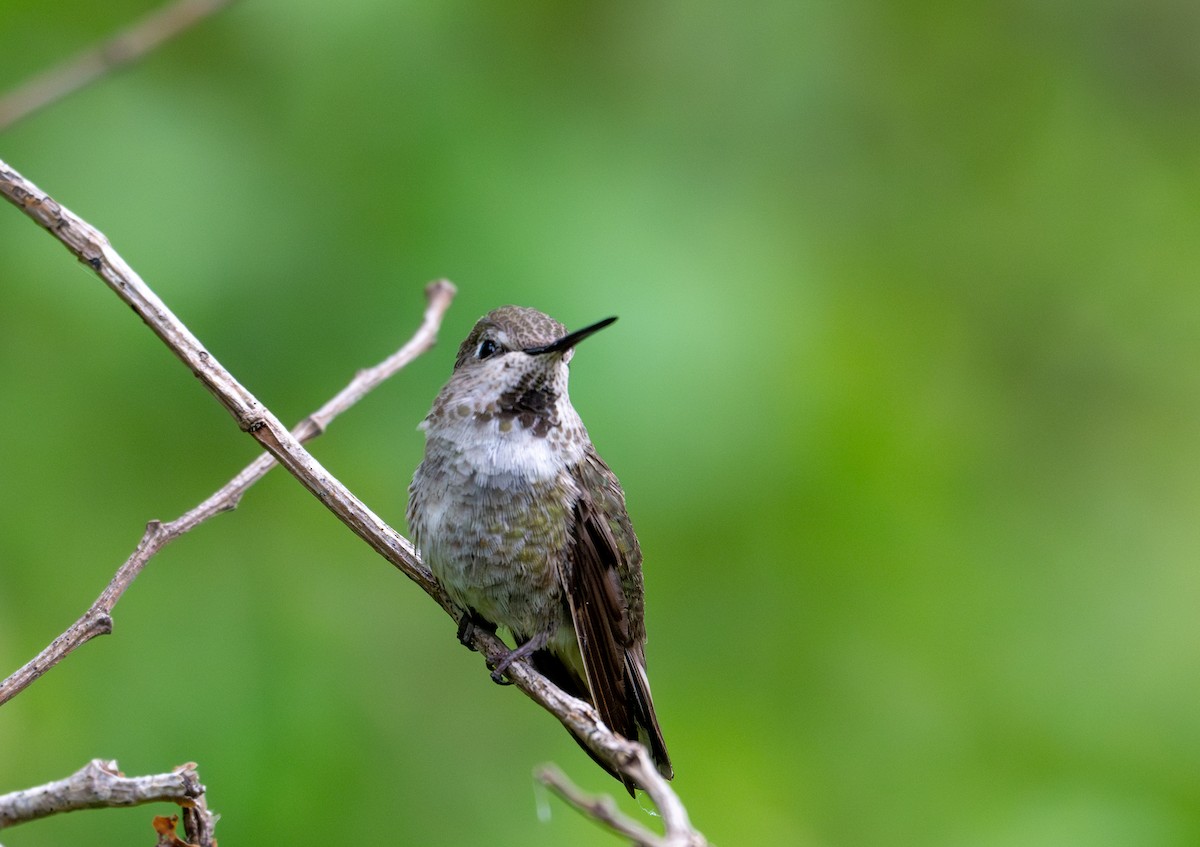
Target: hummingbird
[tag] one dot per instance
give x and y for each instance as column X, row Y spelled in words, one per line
column 525, row 526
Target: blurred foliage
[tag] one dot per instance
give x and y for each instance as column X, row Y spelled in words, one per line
column 904, row 396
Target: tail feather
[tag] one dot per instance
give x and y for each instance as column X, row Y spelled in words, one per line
column 558, row 672
column 638, row 690
column 640, row 707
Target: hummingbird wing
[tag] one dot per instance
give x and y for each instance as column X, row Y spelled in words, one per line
column 605, row 595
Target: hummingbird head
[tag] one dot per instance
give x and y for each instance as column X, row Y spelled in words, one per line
column 516, row 329
column 512, row 370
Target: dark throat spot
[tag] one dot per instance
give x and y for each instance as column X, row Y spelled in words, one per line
column 532, row 406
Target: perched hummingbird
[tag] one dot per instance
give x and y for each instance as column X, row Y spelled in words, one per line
column 524, row 525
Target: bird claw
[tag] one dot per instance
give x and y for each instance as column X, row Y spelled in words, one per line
column 529, row 647
column 499, row 678
column 468, row 623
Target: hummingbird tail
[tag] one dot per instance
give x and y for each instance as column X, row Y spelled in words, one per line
column 640, row 707
column 561, row 674
column 637, row 686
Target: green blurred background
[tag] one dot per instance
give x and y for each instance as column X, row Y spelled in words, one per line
column 904, row 395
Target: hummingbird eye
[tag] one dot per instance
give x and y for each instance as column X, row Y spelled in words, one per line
column 487, row 348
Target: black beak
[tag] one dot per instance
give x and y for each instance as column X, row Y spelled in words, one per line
column 569, row 340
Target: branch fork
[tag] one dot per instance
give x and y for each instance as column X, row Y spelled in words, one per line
column 100, row 784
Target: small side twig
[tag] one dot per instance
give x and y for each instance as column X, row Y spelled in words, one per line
column 125, row 47
column 600, row 808
column 627, row 757
column 99, row 784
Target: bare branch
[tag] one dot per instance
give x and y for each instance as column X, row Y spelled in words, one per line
column 92, row 248
column 97, row 620
column 125, row 47
column 627, row 757
column 199, row 822
column 603, row 809
column 99, row 784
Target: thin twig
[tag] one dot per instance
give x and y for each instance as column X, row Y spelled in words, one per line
column 126, row 46
column 92, row 248
column 627, row 757
column 601, row 808
column 99, row 784
column 97, row 620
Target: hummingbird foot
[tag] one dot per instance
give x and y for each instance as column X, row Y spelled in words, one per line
column 471, row 621
column 529, row 647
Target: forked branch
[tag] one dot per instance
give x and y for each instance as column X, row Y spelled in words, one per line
column 97, row 620
column 99, row 784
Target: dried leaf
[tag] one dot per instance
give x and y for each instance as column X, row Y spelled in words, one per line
column 164, row 825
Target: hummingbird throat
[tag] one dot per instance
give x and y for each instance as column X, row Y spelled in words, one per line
column 531, row 403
